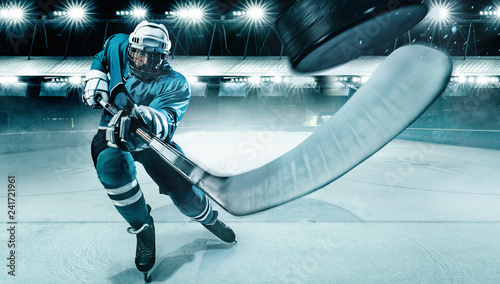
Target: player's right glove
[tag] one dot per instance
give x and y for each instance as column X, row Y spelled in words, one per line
column 96, row 84
column 120, row 132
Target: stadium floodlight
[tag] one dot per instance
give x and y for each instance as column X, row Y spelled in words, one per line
column 139, row 12
column 136, row 11
column 482, row 80
column 256, row 13
column 278, row 79
column 75, row 81
column 9, row 80
column 13, row 14
column 76, row 13
column 192, row 13
column 462, row 79
column 16, row 13
column 303, row 81
column 441, row 12
column 196, row 13
column 192, row 80
column 255, row 80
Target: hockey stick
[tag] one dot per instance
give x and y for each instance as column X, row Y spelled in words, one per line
column 399, row 91
column 187, row 168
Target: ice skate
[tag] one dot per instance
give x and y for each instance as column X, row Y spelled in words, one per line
column 221, row 230
column 145, row 253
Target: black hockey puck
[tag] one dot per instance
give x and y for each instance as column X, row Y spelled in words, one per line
column 320, row 34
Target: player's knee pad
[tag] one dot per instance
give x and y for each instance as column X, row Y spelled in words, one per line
column 115, row 168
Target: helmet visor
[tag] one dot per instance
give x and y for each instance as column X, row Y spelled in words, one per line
column 145, row 64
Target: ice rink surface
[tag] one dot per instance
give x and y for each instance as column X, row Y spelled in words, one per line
column 413, row 213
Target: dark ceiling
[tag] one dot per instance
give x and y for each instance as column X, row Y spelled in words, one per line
column 229, row 37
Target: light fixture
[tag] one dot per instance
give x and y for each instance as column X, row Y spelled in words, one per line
column 136, row 11
column 76, row 80
column 76, row 13
column 302, row 81
column 192, row 14
column 441, row 12
column 256, row 13
column 13, row 14
column 139, row 12
column 482, row 80
column 255, row 80
column 192, row 80
column 4, row 13
column 9, row 80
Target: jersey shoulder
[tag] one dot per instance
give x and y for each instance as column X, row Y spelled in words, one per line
column 173, row 81
column 171, row 76
column 119, row 41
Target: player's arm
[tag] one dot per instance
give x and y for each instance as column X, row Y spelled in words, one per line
column 163, row 115
column 96, row 80
column 168, row 107
column 160, row 118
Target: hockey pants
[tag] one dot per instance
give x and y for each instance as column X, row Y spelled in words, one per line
column 117, row 173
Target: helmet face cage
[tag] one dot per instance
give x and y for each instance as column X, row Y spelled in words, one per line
column 145, row 65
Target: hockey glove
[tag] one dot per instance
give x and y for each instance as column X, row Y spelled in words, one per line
column 153, row 120
column 121, row 129
column 96, row 85
column 121, row 133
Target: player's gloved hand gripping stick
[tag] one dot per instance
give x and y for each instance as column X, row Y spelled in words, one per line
column 127, row 122
column 133, row 128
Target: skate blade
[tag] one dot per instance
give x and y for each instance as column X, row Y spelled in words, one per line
column 147, row 276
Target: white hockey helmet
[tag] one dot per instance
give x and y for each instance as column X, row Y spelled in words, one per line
column 149, row 45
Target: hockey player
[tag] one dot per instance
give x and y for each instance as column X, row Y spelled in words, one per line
column 139, row 60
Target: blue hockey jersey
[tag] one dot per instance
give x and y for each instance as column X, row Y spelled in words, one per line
column 169, row 93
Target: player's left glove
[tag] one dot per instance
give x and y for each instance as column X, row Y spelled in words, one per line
column 96, row 85
column 121, row 129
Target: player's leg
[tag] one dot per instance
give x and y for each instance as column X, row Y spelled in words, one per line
column 116, row 171
column 190, row 200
